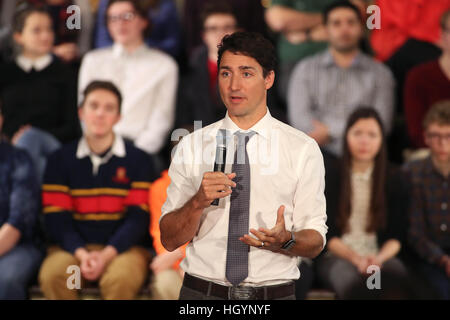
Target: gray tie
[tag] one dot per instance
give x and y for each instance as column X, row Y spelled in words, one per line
column 237, row 251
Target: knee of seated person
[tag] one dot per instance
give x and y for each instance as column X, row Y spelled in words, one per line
column 117, row 286
column 10, row 278
column 121, row 277
column 53, row 272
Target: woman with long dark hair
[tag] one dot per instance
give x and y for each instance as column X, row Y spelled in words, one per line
column 366, row 207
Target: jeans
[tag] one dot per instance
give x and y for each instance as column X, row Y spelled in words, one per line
column 40, row 145
column 17, row 269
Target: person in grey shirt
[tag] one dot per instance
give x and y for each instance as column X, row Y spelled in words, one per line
column 326, row 88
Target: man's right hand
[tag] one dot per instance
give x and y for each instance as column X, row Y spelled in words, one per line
column 215, row 185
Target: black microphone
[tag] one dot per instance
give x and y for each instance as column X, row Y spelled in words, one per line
column 221, row 156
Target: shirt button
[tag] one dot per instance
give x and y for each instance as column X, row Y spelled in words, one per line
column 443, row 227
column 444, row 206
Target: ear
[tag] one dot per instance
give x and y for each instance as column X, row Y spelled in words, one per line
column 80, row 113
column 119, row 116
column 269, row 79
column 17, row 37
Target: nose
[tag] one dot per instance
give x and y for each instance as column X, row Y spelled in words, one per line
column 235, row 83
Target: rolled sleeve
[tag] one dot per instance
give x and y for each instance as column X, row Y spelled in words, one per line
column 309, row 198
column 181, row 188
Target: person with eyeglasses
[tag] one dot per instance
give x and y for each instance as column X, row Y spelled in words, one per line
column 146, row 77
column 166, row 32
column 427, row 84
column 198, row 95
column 429, row 213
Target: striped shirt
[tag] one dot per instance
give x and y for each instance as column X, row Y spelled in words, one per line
column 321, row 90
column 91, row 200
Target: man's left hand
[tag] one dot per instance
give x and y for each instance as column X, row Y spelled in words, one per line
column 272, row 239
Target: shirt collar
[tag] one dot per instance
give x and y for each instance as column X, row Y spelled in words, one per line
column 262, row 127
column 430, row 168
column 117, row 149
column 328, row 60
column 26, row 64
column 119, row 50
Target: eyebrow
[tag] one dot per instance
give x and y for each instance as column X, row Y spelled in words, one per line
column 240, row 68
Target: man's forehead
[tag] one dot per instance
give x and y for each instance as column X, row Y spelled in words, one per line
column 231, row 60
column 342, row 13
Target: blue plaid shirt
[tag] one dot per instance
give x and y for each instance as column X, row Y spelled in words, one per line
column 19, row 191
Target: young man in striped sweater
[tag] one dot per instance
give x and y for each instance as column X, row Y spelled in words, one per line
column 95, row 202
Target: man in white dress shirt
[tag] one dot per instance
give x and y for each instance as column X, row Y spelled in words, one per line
column 146, row 77
column 284, row 209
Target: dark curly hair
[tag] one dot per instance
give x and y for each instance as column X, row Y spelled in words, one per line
column 250, row 44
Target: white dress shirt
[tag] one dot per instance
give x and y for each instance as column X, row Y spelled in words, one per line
column 147, row 79
column 286, row 168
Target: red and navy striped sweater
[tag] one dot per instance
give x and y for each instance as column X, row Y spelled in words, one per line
column 109, row 208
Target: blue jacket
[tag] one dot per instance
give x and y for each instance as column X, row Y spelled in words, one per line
column 19, row 192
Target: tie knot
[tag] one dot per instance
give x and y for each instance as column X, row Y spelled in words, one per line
column 244, row 137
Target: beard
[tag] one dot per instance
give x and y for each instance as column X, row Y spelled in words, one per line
column 345, row 46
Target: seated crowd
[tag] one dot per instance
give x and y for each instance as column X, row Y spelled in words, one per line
column 85, row 139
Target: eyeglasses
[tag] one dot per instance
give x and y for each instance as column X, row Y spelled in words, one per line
column 215, row 29
column 435, row 137
column 126, row 17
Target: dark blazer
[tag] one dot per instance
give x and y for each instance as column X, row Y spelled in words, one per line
column 396, row 202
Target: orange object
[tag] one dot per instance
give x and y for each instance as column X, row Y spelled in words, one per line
column 157, row 197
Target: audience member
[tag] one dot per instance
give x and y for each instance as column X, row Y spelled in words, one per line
column 300, row 25
column 164, row 26
column 95, row 202
column 19, row 206
column 429, row 214
column 37, row 90
column 249, row 15
column 146, row 77
column 167, row 274
column 402, row 20
column 326, row 88
column 70, row 43
column 427, row 84
column 198, row 96
column 367, row 214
